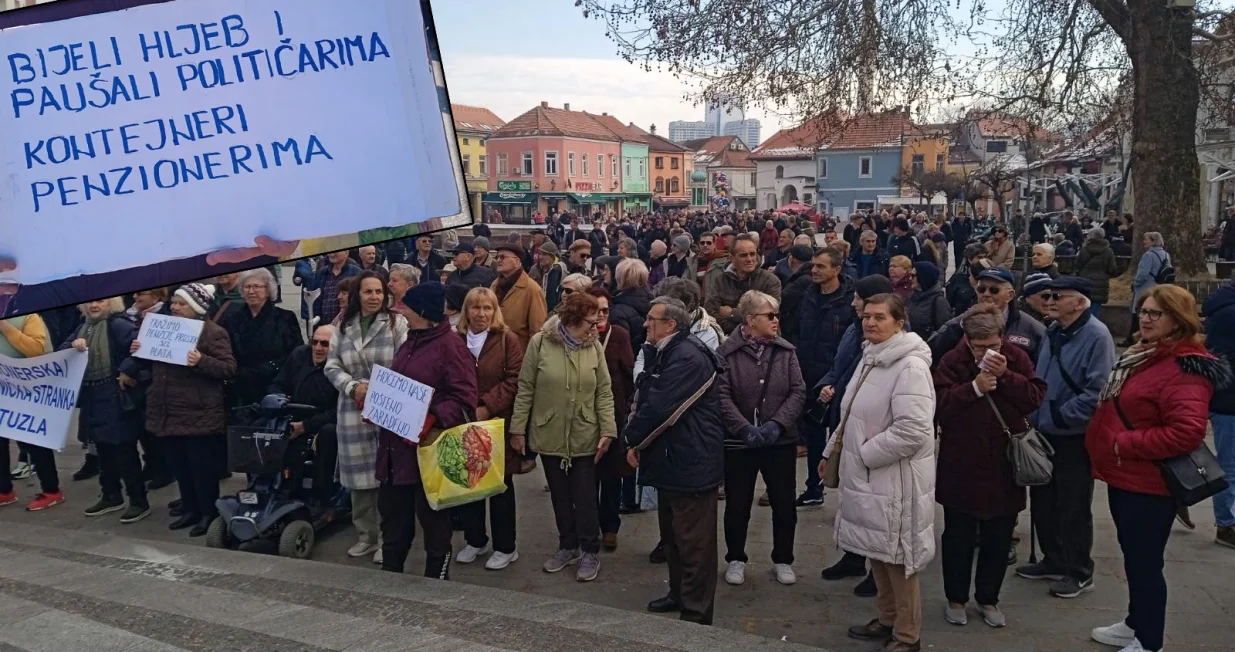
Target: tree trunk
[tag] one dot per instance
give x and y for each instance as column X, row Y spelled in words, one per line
column 1165, row 170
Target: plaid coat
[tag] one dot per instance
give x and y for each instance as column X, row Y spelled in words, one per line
column 351, row 362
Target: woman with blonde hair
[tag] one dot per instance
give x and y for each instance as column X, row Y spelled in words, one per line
column 575, row 283
column 1155, row 406
column 109, row 419
column 631, row 300
column 900, row 271
column 498, row 357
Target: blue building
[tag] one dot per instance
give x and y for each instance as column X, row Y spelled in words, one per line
column 860, row 164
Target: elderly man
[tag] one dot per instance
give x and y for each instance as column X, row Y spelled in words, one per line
column 403, row 277
column 520, row 298
column 996, row 285
column 679, row 262
column 467, row 272
column 548, row 272
column 480, row 244
column 783, row 243
column 1075, row 366
column 368, row 260
column 303, row 379
column 580, row 259
column 429, row 262
column 657, row 254
column 869, row 259
column 326, row 279
column 1033, row 295
column 725, row 286
column 1043, row 260
column 676, row 433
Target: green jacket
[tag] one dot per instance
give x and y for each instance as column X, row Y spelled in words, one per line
column 565, row 399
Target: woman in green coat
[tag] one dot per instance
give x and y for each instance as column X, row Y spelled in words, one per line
column 565, row 402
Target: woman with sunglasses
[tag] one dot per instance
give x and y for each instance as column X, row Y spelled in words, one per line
column 761, row 397
column 976, row 484
column 565, row 404
column 612, row 470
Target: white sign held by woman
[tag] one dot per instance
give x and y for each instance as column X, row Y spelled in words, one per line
column 397, row 403
column 165, row 338
column 37, row 397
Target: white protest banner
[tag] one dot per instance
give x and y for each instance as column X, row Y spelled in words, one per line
column 397, row 403
column 37, row 397
column 177, row 129
column 167, row 338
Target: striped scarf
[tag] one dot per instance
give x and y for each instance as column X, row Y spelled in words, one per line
column 1134, row 357
column 571, row 343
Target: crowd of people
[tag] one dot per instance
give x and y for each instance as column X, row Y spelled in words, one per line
column 674, row 360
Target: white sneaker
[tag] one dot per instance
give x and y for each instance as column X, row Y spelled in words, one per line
column 377, row 557
column 736, row 573
column 469, row 554
column 1137, row 647
column 500, row 560
column 361, row 549
column 1118, row 635
column 784, row 574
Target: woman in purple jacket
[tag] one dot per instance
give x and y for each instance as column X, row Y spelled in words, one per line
column 435, row 356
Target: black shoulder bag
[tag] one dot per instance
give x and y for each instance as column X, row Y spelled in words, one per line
column 1191, row 477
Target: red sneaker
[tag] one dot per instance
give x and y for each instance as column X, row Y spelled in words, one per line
column 43, row 501
column 8, row 499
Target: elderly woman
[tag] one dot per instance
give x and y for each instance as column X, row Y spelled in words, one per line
column 1096, row 262
column 185, row 409
column 886, row 444
column 403, row 277
column 262, row 336
column 1154, row 407
column 612, row 473
column 1043, row 259
column 976, row 484
column 369, row 335
column 436, row 356
column 1153, row 261
column 761, row 397
column 109, row 417
column 631, row 301
column 900, row 271
column 498, row 358
column 565, row 400
column 576, row 283
column 154, row 461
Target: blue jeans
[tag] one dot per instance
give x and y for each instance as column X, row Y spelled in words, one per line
column 1224, row 442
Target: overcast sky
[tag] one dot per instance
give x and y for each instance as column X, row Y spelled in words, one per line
column 509, row 56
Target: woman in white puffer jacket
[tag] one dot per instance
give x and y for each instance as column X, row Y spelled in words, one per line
column 887, row 470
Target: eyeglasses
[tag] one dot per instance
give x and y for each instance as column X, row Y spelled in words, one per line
column 321, row 343
column 253, row 288
column 772, row 316
column 1151, row 315
column 593, row 322
column 988, row 289
column 603, row 311
column 584, row 256
column 568, row 290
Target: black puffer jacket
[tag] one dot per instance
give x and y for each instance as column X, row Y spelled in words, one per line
column 822, row 320
column 676, row 424
column 928, row 311
column 1096, row 262
column 260, row 344
column 306, row 383
column 629, row 309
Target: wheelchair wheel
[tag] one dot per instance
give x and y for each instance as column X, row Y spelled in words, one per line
column 216, row 535
column 296, row 541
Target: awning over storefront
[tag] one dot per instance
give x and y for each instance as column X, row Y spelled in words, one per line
column 672, row 202
column 509, row 198
column 595, row 197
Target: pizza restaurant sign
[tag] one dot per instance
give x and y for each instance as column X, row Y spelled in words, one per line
column 587, row 185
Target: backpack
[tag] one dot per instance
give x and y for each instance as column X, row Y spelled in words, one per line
column 1166, row 273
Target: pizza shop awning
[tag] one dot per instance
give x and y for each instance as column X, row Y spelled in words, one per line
column 509, row 198
column 594, row 197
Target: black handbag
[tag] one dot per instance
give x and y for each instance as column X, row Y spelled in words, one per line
column 1191, row 477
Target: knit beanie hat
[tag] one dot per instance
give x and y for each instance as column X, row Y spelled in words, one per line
column 481, row 241
column 927, row 273
column 1035, row 283
column 199, row 296
column 427, row 300
column 455, row 294
column 682, row 242
column 871, row 285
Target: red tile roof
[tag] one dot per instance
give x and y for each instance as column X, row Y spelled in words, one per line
column 656, row 143
column 475, row 118
column 613, row 124
column 801, row 141
column 543, row 120
column 719, row 151
column 872, row 130
column 997, row 125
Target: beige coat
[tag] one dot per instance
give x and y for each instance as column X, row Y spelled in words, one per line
column 524, row 309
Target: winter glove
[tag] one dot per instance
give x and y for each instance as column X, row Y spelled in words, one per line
column 751, row 436
column 770, row 432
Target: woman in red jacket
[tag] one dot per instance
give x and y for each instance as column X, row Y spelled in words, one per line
column 1154, row 406
column 975, row 481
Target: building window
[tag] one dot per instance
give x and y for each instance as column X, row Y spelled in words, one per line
column 570, row 163
column 673, row 164
column 917, row 163
column 613, row 163
column 502, row 165
column 823, row 168
column 628, row 174
column 864, row 167
column 780, row 172
column 996, row 146
column 482, row 142
column 754, row 179
column 551, row 164
column 863, row 205
column 483, row 162
column 466, row 142
column 806, row 198
column 642, row 174
column 527, row 164
column 600, row 166
column 674, row 186
column 467, row 165
column 660, row 162
column 939, row 161
column 696, row 196
column 660, row 184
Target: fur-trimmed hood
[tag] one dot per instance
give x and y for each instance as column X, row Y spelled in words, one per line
column 1208, row 366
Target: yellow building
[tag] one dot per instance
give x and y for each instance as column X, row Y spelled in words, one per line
column 925, row 150
column 473, row 126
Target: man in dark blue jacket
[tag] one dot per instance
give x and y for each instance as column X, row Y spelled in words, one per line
column 868, row 259
column 903, row 242
column 676, row 436
column 824, row 313
column 1219, row 312
column 303, row 380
